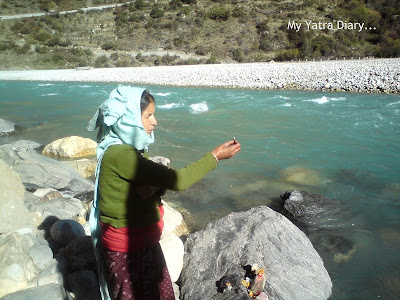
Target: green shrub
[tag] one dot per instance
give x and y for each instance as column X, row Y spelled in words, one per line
column 140, row 4
column 189, row 1
column 238, row 55
column 238, row 12
column 156, row 12
column 108, row 46
column 101, row 62
column 42, row 35
column 212, row 60
column 287, row 54
column 175, row 4
column 41, row 49
column 219, row 13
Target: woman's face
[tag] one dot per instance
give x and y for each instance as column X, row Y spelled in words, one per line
column 148, row 118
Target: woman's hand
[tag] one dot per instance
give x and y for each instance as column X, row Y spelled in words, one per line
column 227, row 150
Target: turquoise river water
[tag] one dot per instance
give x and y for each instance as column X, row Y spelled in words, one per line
column 345, row 146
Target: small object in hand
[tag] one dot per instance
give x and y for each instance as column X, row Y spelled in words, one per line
column 234, row 140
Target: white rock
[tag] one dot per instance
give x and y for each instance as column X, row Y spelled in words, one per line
column 173, row 250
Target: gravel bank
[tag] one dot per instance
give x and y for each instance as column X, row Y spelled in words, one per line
column 368, row 76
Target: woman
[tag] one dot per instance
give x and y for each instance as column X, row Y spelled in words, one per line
column 127, row 207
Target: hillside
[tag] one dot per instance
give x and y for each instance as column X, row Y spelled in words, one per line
column 166, row 32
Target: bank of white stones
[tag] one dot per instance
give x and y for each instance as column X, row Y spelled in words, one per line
column 367, row 76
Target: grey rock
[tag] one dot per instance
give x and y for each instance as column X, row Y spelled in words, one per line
column 293, row 268
column 89, row 290
column 62, row 208
column 65, row 231
column 17, row 268
column 13, row 213
column 6, row 126
column 30, row 200
column 38, row 171
column 80, row 254
column 41, row 256
column 45, row 292
column 53, row 273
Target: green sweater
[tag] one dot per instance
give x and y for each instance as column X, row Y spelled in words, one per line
column 123, row 168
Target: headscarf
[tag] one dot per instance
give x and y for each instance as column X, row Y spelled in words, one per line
column 119, row 120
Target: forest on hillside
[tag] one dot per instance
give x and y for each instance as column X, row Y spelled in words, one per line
column 211, row 30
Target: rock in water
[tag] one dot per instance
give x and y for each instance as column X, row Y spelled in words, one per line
column 6, row 126
column 71, row 147
column 293, row 268
column 65, row 231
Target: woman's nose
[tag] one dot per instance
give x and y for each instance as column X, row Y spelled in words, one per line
column 154, row 123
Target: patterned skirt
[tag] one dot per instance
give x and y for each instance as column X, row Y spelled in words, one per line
column 139, row 275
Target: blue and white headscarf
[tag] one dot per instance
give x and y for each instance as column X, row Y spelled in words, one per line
column 119, row 120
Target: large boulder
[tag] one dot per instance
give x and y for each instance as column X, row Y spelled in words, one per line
column 17, row 268
column 293, row 268
column 13, row 213
column 62, row 208
column 71, row 147
column 38, row 171
column 84, row 166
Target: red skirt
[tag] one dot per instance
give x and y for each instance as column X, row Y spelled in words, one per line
column 138, row 275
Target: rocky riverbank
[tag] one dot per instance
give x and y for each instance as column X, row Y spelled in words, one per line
column 47, row 252
column 367, row 76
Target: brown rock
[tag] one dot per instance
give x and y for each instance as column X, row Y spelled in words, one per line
column 71, row 147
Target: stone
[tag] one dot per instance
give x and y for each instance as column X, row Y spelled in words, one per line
column 173, row 221
column 293, row 268
column 71, row 147
column 62, row 208
column 44, row 191
column 41, row 256
column 161, row 160
column 90, row 290
column 13, row 213
column 6, row 126
column 45, row 292
column 173, row 250
column 79, row 254
column 176, row 291
column 53, row 194
column 17, row 268
column 85, row 167
column 54, row 272
column 312, row 211
column 302, row 176
column 37, row 171
column 65, row 231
